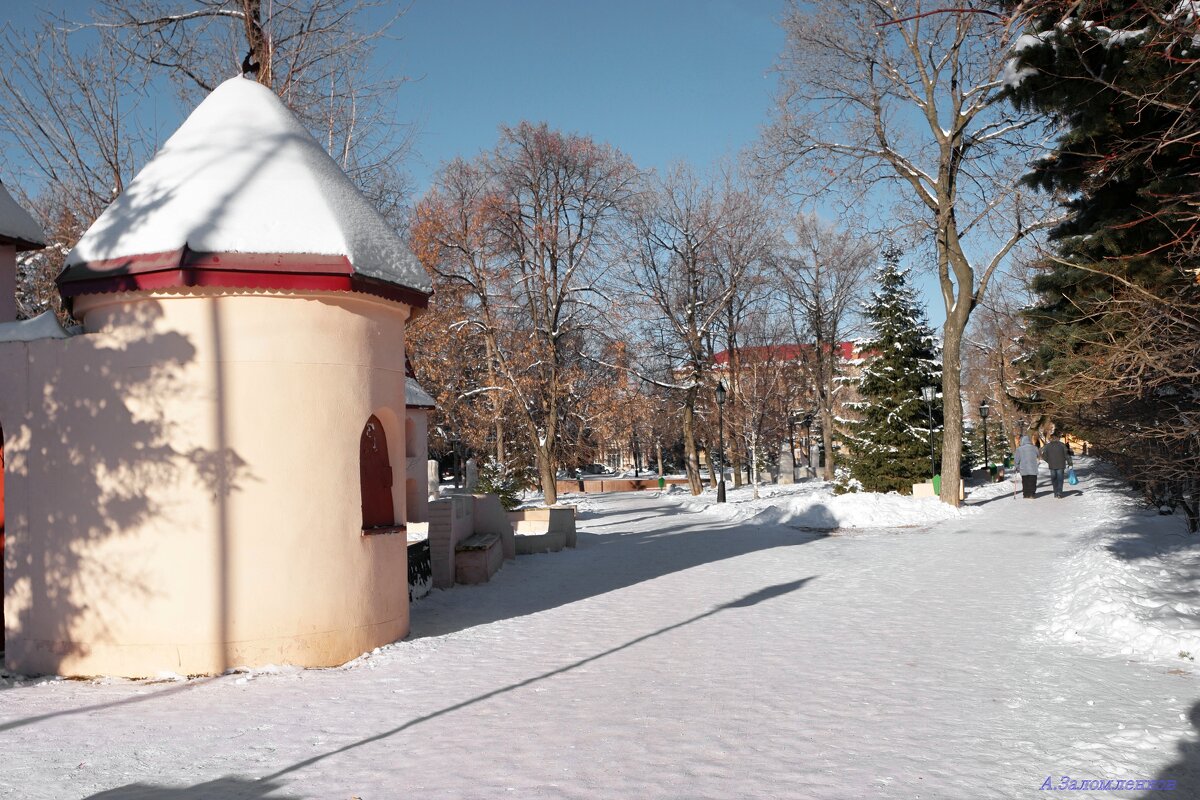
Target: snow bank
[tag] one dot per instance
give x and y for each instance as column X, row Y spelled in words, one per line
column 1130, row 586
column 814, row 505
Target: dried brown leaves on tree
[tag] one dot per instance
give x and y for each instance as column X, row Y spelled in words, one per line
column 528, row 231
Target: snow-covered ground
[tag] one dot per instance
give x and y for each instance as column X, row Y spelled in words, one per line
column 690, row 651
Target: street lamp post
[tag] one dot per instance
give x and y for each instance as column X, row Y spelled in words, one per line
column 455, row 460
column 984, row 410
column 928, row 393
column 807, row 426
column 792, row 441
column 637, row 463
column 720, row 442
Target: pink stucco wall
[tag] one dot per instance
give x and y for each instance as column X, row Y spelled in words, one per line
column 8, row 282
column 416, row 473
column 183, row 488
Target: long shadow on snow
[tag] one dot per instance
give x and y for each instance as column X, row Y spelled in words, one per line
column 243, row 788
column 230, row 787
column 1142, row 533
column 1185, row 770
column 127, row 701
column 603, row 563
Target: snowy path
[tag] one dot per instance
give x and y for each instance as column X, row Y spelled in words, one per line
column 673, row 655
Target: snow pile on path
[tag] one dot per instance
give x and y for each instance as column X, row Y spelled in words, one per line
column 814, row 505
column 1130, row 588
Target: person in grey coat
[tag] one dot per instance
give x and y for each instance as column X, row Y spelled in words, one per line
column 1025, row 461
column 1057, row 457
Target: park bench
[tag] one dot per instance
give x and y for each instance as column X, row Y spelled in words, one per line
column 477, row 558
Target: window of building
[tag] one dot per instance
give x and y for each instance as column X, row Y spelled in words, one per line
column 375, row 477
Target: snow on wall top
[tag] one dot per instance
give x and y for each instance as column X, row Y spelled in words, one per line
column 16, row 225
column 43, row 326
column 242, row 175
column 415, row 396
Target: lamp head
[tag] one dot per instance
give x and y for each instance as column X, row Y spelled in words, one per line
column 928, row 393
column 720, row 393
column 984, row 409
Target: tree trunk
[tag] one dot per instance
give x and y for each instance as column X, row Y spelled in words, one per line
column 689, row 444
column 754, row 462
column 827, row 440
column 735, row 458
column 658, row 450
column 546, row 473
column 256, row 38
column 952, row 410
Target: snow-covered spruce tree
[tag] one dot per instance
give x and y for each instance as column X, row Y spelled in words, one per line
column 889, row 444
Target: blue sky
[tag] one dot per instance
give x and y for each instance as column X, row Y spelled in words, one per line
column 660, row 79
column 663, row 80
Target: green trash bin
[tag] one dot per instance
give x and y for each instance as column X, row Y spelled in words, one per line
column 937, row 484
column 662, row 484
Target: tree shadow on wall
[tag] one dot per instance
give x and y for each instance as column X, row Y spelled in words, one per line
column 93, row 452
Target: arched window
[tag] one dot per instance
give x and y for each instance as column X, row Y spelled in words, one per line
column 375, row 477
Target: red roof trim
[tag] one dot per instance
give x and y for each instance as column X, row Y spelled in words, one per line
column 186, row 268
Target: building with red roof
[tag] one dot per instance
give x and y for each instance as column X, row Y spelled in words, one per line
column 212, row 473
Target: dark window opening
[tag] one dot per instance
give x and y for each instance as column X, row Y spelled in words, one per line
column 375, row 477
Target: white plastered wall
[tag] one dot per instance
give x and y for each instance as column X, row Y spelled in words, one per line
column 183, row 484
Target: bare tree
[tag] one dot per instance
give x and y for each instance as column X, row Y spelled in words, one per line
column 823, row 273
column 884, row 93
column 527, row 232
column 761, row 376
column 315, row 54
column 71, row 115
column 744, row 248
column 993, row 353
column 691, row 245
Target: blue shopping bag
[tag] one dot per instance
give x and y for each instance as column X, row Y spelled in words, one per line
column 1072, row 478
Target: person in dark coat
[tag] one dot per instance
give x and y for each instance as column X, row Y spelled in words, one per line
column 1058, row 458
column 1025, row 461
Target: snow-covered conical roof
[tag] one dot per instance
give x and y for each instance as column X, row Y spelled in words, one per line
column 242, row 196
column 17, row 227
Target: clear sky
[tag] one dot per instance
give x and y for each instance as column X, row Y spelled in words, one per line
column 663, row 80
column 660, row 79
